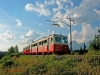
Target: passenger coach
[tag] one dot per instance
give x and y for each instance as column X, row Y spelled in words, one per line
column 51, row 44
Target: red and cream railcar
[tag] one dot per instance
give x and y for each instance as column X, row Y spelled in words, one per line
column 51, row 44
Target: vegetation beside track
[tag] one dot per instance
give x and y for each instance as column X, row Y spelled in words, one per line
column 52, row 65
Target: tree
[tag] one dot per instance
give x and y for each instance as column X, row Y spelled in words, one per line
column 95, row 44
column 81, row 48
column 81, row 51
column 84, row 47
column 99, row 31
column 99, row 38
column 16, row 49
column 11, row 50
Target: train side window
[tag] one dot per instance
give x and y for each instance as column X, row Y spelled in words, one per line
column 28, row 47
column 42, row 42
column 23, row 48
column 33, row 45
column 51, row 40
column 45, row 42
column 36, row 44
column 39, row 43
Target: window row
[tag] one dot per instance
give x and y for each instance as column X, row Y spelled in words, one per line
column 43, row 42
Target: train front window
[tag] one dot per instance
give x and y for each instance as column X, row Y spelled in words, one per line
column 58, row 39
column 64, row 40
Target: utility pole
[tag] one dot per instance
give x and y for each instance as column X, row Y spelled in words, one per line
column 70, row 30
column 67, row 25
column 70, row 33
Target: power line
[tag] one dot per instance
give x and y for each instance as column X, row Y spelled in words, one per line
column 89, row 19
column 45, row 28
column 51, row 29
column 57, row 25
column 83, row 7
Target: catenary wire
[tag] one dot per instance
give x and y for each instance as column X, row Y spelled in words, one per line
column 82, row 7
column 89, row 19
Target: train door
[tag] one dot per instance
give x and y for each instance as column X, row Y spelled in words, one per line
column 30, row 48
column 48, row 44
column 37, row 47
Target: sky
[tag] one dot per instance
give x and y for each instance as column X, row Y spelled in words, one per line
column 22, row 21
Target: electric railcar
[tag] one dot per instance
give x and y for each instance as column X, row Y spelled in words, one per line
column 54, row 43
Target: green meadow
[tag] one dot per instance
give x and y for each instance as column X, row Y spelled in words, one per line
column 51, row 65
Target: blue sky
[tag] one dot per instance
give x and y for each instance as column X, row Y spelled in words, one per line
column 22, row 21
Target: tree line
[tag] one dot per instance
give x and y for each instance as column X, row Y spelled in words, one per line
column 12, row 51
column 94, row 46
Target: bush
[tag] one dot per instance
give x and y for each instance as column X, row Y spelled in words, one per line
column 93, row 52
column 94, row 61
column 8, row 63
column 4, row 59
column 2, row 54
column 14, row 54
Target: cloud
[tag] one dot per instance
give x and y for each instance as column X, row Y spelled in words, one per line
column 49, row 2
column 83, row 11
column 60, row 16
column 97, row 11
column 30, row 36
column 86, row 10
column 86, row 34
column 29, row 7
column 40, row 24
column 60, row 4
column 71, row 3
column 7, row 36
column 18, row 22
column 40, row 8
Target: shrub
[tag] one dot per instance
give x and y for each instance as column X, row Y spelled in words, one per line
column 8, row 63
column 14, row 54
column 95, row 61
column 4, row 59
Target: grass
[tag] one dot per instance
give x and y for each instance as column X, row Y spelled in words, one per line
column 53, row 65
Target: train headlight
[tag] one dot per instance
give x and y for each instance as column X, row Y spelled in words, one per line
column 57, row 46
